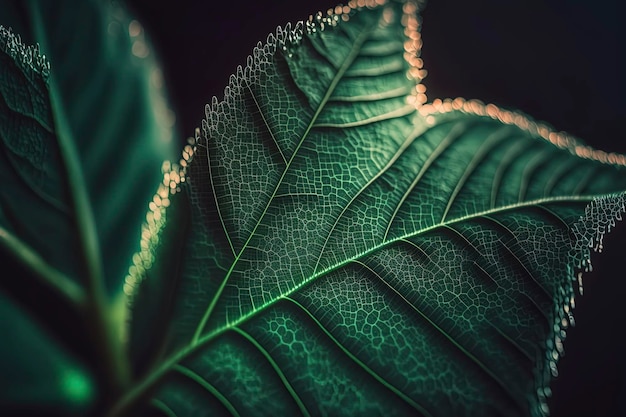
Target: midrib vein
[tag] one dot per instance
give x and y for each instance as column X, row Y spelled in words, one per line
column 243, row 318
column 331, row 88
column 155, row 377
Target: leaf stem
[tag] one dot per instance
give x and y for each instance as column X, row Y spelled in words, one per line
column 111, row 357
column 109, row 347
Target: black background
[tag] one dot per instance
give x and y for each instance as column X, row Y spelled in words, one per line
column 560, row 61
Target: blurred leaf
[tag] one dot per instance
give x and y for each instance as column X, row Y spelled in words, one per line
column 37, row 374
column 154, row 278
column 84, row 129
column 110, row 95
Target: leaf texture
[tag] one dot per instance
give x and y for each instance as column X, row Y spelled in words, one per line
column 354, row 252
column 31, row 162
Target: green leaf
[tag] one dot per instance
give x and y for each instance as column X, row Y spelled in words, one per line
column 108, row 104
column 354, row 251
column 31, row 161
column 85, row 130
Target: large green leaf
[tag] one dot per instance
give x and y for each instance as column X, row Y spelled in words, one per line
column 107, row 100
column 356, row 252
column 84, row 130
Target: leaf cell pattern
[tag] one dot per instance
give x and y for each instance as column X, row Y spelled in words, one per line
column 356, row 252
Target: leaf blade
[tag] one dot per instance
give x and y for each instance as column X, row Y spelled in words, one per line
column 418, row 195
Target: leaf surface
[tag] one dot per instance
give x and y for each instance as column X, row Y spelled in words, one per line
column 84, row 131
column 354, row 252
column 108, row 96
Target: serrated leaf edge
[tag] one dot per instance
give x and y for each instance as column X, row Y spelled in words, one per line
column 562, row 140
column 27, row 57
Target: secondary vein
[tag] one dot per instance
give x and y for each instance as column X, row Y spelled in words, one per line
column 346, row 64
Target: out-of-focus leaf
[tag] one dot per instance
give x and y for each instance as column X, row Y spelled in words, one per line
column 153, row 278
column 109, row 92
column 84, row 131
column 30, row 160
column 37, row 374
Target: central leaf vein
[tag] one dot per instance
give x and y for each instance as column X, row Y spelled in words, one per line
column 404, row 238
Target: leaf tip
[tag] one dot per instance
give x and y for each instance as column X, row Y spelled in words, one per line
column 600, row 217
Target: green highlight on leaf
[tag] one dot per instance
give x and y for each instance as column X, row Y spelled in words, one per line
column 77, row 387
column 37, row 373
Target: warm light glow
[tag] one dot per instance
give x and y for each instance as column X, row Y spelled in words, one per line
column 156, row 218
column 559, row 139
column 412, row 51
column 134, row 28
column 140, row 49
column 156, row 78
column 388, row 16
column 409, row 8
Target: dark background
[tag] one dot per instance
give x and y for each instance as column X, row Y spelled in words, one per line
column 560, row 61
